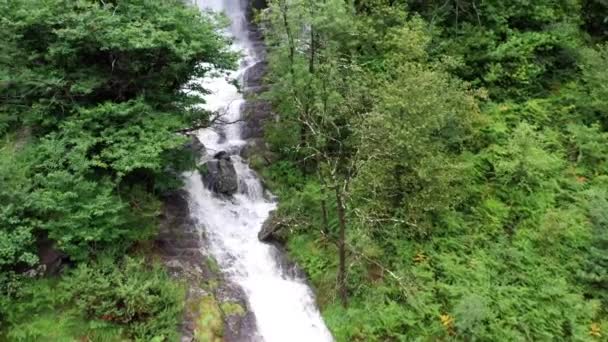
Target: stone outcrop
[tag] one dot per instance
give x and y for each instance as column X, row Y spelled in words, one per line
column 215, row 308
column 257, row 113
column 219, row 174
column 270, row 228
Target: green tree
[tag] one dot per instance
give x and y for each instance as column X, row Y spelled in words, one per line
column 101, row 87
column 468, row 216
column 515, row 48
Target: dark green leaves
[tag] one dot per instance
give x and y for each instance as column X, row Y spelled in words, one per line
column 99, row 85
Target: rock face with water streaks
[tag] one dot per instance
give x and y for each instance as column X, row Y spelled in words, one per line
column 256, row 111
column 215, row 308
column 270, row 228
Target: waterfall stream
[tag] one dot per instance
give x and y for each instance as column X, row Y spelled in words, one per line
column 283, row 304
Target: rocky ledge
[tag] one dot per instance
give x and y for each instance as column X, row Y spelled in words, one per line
column 215, row 308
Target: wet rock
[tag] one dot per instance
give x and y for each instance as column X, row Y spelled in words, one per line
column 258, row 154
column 222, row 155
column 258, row 4
column 177, row 232
column 288, row 267
column 255, row 32
column 219, row 174
column 239, row 321
column 175, row 266
column 257, row 113
column 270, row 228
column 184, row 250
column 254, row 77
column 51, row 260
column 195, row 145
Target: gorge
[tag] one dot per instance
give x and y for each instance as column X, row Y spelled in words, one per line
column 230, row 215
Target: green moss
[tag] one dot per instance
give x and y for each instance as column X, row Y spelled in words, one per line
column 232, row 309
column 210, row 284
column 213, row 266
column 209, row 324
column 257, row 162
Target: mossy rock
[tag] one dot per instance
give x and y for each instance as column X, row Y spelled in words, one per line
column 232, row 309
column 209, row 324
column 213, row 265
column 257, row 162
column 210, row 285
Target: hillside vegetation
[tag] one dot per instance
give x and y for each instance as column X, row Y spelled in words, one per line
column 442, row 165
column 91, row 97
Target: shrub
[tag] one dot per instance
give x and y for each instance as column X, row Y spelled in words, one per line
column 131, row 294
column 101, row 301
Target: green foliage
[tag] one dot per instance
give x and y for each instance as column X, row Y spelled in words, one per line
column 92, row 95
column 595, row 74
column 100, row 87
column 595, row 13
column 16, row 228
column 85, row 52
column 595, row 273
column 589, row 148
column 146, row 301
column 101, row 301
column 470, row 216
column 409, row 145
column 515, row 47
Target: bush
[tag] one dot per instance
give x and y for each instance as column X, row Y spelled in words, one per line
column 104, row 300
column 143, row 299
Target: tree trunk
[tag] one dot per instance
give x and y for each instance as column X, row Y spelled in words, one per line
column 311, row 60
column 342, row 249
column 292, row 48
column 325, row 227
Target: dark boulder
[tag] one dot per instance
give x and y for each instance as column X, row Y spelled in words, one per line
column 51, row 259
column 219, row 174
column 270, row 228
column 222, row 155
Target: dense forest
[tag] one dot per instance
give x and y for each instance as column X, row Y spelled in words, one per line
column 92, row 94
column 441, row 165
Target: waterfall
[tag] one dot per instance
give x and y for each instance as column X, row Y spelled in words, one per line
column 283, row 304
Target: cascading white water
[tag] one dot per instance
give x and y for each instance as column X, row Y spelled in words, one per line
column 283, row 305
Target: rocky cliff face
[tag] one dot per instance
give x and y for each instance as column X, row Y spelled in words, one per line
column 215, row 309
column 256, row 112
